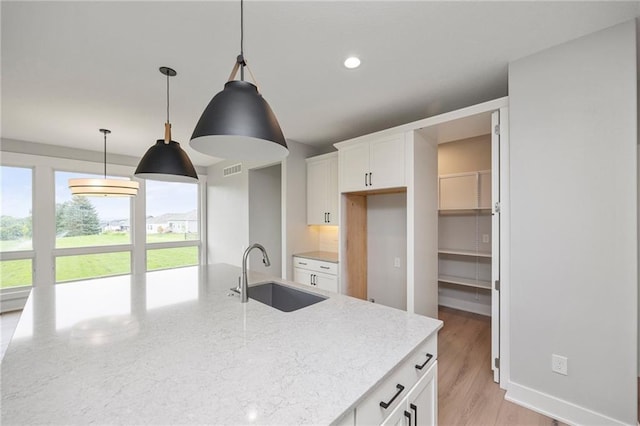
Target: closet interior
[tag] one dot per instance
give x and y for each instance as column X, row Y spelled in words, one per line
column 464, row 224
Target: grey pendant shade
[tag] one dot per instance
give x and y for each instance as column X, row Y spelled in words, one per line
column 238, row 123
column 166, row 160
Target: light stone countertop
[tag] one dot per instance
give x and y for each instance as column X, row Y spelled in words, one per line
column 325, row 256
column 172, row 346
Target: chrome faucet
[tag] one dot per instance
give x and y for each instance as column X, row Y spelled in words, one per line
column 244, row 289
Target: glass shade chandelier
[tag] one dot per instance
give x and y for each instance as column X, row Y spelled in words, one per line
column 238, row 123
column 166, row 160
column 103, row 187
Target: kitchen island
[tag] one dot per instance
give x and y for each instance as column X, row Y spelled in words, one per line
column 177, row 346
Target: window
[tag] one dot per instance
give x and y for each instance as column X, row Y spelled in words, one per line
column 15, row 222
column 90, row 221
column 16, row 225
column 93, row 234
column 172, row 211
column 171, row 258
column 173, row 226
column 78, row 267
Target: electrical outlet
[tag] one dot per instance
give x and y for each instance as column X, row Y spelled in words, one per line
column 396, row 262
column 559, row 364
column 485, row 238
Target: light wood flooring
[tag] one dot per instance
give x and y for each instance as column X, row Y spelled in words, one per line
column 467, row 394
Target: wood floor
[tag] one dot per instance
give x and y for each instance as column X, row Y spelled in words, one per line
column 467, row 394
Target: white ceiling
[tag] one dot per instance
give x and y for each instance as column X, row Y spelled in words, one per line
column 69, row 68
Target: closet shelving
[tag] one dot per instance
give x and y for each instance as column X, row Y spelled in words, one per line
column 464, row 230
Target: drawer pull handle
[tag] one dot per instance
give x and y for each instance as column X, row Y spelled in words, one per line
column 324, row 267
column 420, row 367
column 408, row 416
column 386, row 405
column 301, row 263
column 415, row 413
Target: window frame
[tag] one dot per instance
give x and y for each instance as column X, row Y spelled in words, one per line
column 177, row 244
column 44, row 252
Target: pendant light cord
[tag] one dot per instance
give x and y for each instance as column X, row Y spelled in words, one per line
column 167, row 97
column 105, row 154
column 241, row 58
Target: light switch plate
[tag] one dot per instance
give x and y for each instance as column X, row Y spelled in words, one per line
column 559, row 364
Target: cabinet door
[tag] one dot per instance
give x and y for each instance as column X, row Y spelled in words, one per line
column 326, row 282
column 317, row 178
column 302, row 276
column 397, row 416
column 387, row 163
column 333, row 196
column 354, row 166
column 458, row 192
column 422, row 401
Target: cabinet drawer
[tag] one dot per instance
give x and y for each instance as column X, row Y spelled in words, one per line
column 315, row 265
column 405, row 375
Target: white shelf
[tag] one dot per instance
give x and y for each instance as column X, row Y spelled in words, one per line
column 469, row 282
column 469, row 253
column 481, row 210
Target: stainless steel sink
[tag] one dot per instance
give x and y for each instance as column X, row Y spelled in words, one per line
column 283, row 298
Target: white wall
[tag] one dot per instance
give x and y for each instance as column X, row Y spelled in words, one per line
column 228, row 209
column 386, row 241
column 297, row 236
column 227, row 214
column 265, row 217
column 573, row 287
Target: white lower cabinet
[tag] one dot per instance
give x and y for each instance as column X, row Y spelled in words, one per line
column 420, row 406
column 316, row 273
column 408, row 396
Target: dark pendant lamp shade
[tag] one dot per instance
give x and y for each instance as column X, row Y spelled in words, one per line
column 238, row 124
column 167, row 162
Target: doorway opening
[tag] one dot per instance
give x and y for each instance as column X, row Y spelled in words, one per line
column 468, row 218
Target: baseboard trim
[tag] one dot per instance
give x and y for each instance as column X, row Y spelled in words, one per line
column 463, row 305
column 550, row 406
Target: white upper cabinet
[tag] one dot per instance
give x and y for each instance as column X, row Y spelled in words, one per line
column 322, row 189
column 465, row 191
column 372, row 165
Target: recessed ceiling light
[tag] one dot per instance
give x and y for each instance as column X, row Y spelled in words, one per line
column 352, row 62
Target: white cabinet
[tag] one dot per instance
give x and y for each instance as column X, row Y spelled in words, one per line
column 411, row 387
column 420, row 406
column 372, row 165
column 316, row 273
column 322, row 189
column 465, row 191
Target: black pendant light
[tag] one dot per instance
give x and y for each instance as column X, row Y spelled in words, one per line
column 238, row 123
column 166, row 160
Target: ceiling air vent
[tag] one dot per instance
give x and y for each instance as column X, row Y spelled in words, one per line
column 232, row 170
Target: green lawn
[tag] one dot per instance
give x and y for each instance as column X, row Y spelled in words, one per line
column 14, row 273
column 18, row 272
